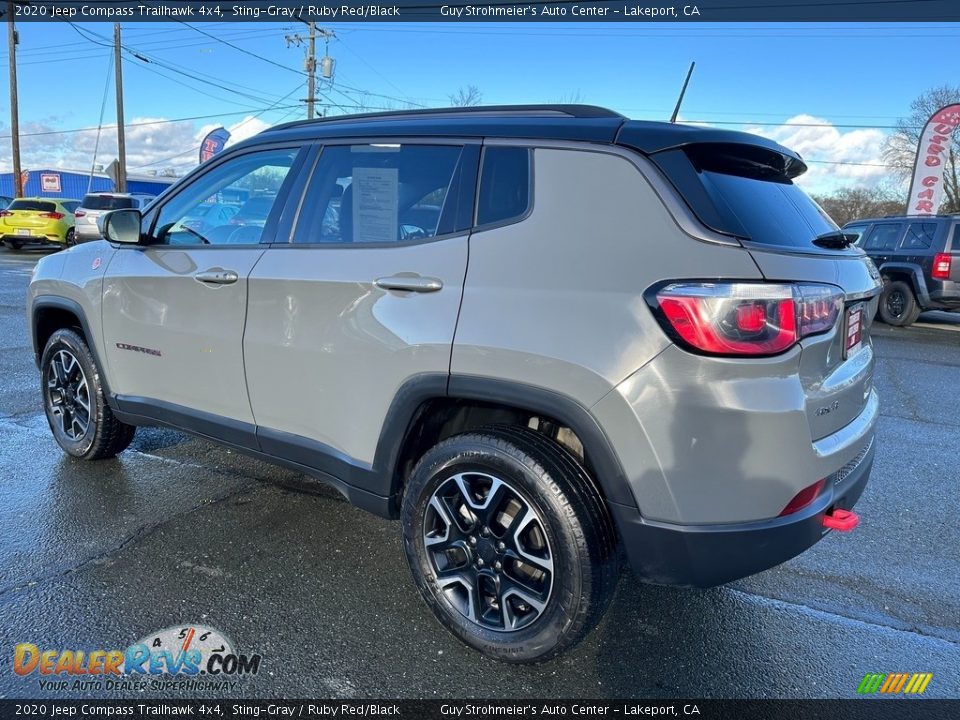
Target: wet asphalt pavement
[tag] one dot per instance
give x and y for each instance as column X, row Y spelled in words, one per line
column 178, row 531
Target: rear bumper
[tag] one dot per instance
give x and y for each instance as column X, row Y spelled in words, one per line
column 31, row 239
column 87, row 232
column 709, row 555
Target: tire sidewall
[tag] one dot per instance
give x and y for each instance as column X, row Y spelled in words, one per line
column 70, row 341
column 559, row 523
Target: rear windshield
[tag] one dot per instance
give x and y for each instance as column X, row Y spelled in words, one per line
column 107, row 202
column 37, row 205
column 770, row 212
column 747, row 191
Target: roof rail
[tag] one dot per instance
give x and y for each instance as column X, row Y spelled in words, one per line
column 541, row 111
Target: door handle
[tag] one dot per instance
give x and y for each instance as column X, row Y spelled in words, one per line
column 409, row 283
column 217, row 277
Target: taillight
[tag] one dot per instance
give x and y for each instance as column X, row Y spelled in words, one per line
column 79, row 213
column 941, row 266
column 5, row 213
column 747, row 318
column 803, row 498
column 52, row 216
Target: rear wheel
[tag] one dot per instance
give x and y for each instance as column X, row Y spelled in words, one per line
column 898, row 304
column 509, row 543
column 71, row 238
column 14, row 244
column 79, row 417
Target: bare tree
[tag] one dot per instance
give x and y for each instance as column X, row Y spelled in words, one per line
column 900, row 149
column 466, row 97
column 858, row 203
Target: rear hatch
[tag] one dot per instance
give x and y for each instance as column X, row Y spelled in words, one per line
column 748, row 191
column 27, row 215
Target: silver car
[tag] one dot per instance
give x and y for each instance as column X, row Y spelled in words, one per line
column 537, row 335
column 94, row 205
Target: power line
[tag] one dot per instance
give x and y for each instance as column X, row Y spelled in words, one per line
column 249, row 119
column 243, row 50
column 147, row 123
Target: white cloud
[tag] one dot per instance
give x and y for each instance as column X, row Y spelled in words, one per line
column 861, row 148
column 150, row 145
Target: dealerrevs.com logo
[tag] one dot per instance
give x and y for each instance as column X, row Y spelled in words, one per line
column 182, row 653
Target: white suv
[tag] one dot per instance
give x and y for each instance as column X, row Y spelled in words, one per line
column 95, row 204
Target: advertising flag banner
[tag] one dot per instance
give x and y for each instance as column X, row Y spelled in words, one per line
column 213, row 143
column 926, row 187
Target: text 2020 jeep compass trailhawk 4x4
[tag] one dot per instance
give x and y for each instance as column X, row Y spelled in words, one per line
column 534, row 334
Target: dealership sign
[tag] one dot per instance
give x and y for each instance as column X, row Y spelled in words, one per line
column 926, row 188
column 50, row 182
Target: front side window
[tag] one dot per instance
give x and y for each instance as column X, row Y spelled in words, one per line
column 504, row 185
column 379, row 193
column 249, row 184
column 883, row 237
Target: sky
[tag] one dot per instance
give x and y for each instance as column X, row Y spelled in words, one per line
column 829, row 91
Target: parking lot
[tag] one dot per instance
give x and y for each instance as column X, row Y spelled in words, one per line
column 177, row 530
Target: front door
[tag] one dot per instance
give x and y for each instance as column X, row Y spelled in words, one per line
column 174, row 310
column 363, row 298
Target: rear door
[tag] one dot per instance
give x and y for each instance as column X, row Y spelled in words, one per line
column 360, row 296
column 882, row 240
column 174, row 311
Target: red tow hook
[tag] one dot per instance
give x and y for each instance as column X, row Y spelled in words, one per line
column 841, row 520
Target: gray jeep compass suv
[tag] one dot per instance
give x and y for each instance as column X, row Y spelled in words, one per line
column 536, row 335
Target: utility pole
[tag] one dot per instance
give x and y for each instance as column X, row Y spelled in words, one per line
column 14, row 108
column 121, row 142
column 311, row 69
column 310, row 64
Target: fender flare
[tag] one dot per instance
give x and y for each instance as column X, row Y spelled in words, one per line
column 916, row 274
column 401, row 417
column 42, row 302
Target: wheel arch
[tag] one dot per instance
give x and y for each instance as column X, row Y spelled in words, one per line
column 429, row 408
column 913, row 274
column 50, row 313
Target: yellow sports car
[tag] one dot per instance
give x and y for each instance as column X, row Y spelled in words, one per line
column 38, row 220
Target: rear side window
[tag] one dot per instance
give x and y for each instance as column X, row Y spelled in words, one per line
column 883, row 236
column 381, row 193
column 504, row 185
column 919, row 236
column 108, row 202
column 35, row 205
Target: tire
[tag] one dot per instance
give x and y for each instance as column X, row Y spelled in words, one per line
column 70, row 239
column 534, row 517
column 14, row 244
column 898, row 305
column 69, row 377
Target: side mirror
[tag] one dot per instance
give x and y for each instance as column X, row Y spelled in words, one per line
column 120, row 226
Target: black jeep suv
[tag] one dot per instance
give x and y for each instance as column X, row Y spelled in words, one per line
column 919, row 259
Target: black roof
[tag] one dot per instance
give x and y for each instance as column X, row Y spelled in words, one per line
column 586, row 123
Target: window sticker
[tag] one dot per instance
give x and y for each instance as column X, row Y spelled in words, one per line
column 375, row 204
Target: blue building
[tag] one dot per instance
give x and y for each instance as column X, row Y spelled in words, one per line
column 73, row 184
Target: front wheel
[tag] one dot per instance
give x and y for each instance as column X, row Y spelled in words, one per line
column 73, row 398
column 509, row 542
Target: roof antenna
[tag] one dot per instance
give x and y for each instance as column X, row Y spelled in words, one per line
column 683, row 91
